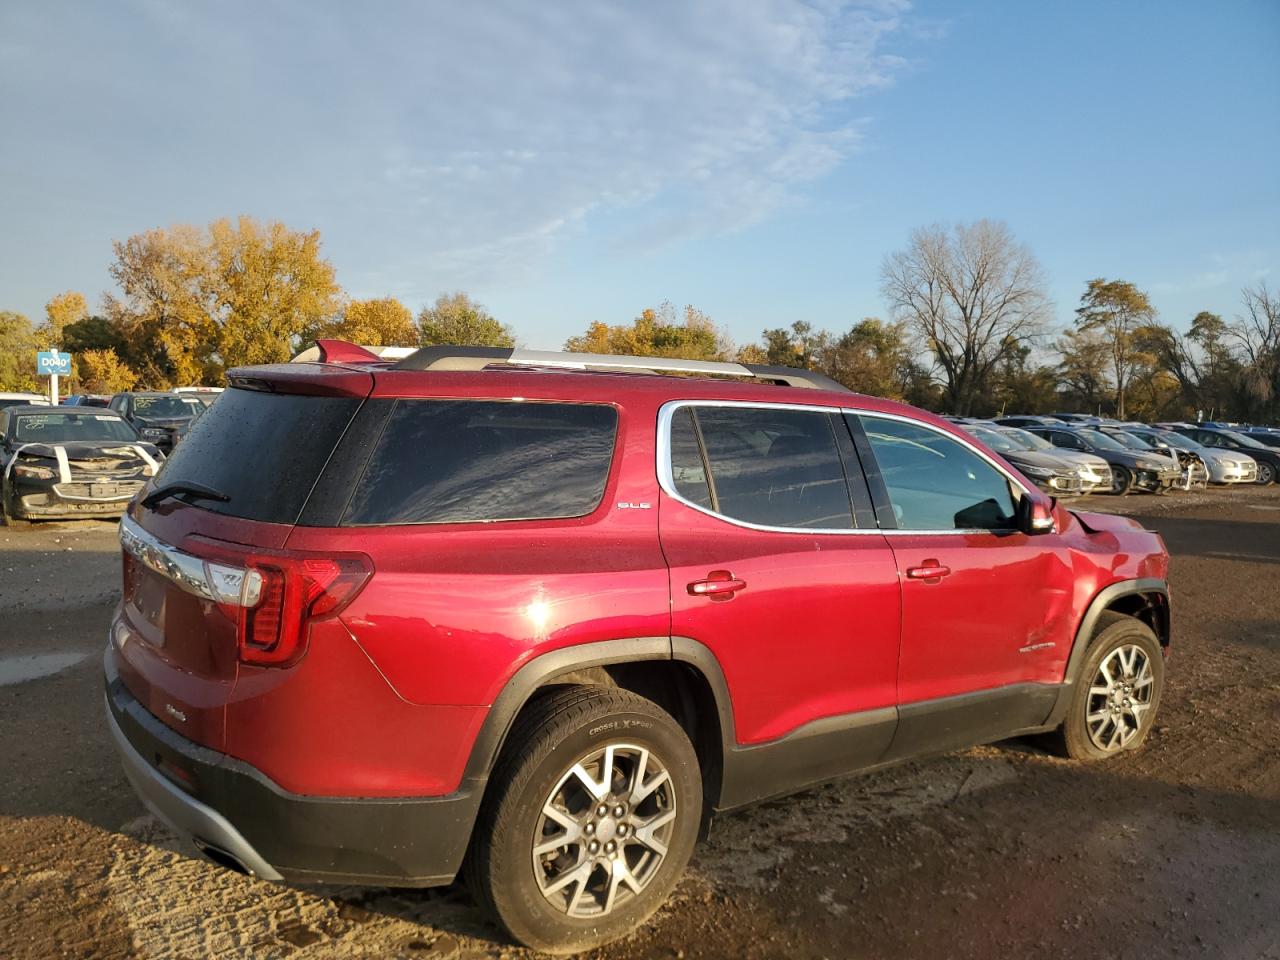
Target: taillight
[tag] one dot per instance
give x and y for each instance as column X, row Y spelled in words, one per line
column 274, row 598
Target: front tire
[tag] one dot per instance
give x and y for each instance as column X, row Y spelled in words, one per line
column 1266, row 474
column 1121, row 480
column 1117, row 692
column 592, row 814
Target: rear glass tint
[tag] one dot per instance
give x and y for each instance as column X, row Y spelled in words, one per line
column 263, row 450
column 454, row 461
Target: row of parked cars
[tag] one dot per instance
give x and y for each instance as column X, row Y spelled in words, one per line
column 90, row 454
column 1072, row 454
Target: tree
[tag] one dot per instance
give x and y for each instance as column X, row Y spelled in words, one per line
column 871, row 357
column 63, row 310
column 92, row 333
column 1257, row 334
column 1116, row 309
column 101, row 371
column 1083, row 368
column 195, row 301
column 18, row 348
column 267, row 285
column 456, row 319
column 973, row 294
column 384, row 322
column 657, row 332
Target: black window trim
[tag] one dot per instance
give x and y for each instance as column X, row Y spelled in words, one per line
column 666, row 479
column 1017, row 488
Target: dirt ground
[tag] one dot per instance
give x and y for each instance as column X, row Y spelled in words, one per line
column 1000, row 851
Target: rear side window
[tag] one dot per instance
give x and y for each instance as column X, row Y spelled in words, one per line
column 935, row 482
column 768, row 466
column 458, row 461
column 263, row 450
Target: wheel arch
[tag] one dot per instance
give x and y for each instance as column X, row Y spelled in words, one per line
column 679, row 674
column 1146, row 599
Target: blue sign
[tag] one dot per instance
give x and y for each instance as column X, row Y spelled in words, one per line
column 49, row 362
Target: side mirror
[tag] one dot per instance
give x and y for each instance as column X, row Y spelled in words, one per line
column 1035, row 516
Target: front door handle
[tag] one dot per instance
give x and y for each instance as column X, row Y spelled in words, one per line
column 719, row 585
column 931, row 571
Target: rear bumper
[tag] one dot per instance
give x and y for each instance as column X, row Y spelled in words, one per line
column 238, row 816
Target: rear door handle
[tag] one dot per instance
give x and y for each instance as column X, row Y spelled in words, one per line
column 719, row 585
column 931, row 571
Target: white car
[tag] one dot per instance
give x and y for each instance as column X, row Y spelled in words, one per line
column 1224, row 466
column 1095, row 473
column 23, row 400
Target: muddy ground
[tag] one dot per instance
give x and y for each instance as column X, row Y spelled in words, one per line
column 1001, row 851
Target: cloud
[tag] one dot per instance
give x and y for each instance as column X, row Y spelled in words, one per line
column 440, row 144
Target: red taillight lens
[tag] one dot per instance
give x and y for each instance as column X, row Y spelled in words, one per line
column 292, row 592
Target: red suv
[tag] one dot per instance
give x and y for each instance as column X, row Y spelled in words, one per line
column 536, row 616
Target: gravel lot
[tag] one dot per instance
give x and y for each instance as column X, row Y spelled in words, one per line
column 996, row 851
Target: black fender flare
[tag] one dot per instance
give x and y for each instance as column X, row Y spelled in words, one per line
column 1101, row 602
column 522, row 685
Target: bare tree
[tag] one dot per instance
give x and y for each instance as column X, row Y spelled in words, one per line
column 973, row 294
column 1258, row 334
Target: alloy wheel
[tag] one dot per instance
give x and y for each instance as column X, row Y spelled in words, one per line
column 604, row 830
column 1119, row 698
column 1119, row 479
column 1266, row 474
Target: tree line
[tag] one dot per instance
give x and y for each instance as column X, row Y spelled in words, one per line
column 969, row 328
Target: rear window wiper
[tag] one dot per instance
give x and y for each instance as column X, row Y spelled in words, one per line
column 195, row 490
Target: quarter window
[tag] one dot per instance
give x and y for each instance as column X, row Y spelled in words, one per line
column 937, row 483
column 761, row 465
column 454, row 461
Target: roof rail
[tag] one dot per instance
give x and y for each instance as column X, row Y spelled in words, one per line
column 477, row 358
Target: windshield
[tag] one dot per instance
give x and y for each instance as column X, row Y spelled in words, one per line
column 1243, row 440
column 70, row 427
column 166, row 407
column 1027, row 439
column 1127, row 440
column 1180, row 440
column 1100, row 440
column 994, row 439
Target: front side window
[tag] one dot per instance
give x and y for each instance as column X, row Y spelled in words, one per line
column 459, row 461
column 935, row 482
column 762, row 465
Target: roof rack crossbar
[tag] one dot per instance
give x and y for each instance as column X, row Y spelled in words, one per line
column 477, row 358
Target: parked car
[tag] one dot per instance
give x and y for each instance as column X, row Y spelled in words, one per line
column 1195, row 472
column 1029, row 421
column 1083, row 418
column 499, row 611
column 1264, row 435
column 1149, row 471
column 1267, row 458
column 87, row 400
column 205, row 395
column 161, row 418
column 1095, row 473
column 1223, row 466
column 1051, row 474
column 23, row 400
column 70, row 462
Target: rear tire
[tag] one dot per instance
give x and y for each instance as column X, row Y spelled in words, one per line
column 1116, row 694
column 557, row 873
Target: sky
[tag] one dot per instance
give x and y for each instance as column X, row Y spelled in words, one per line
column 581, row 160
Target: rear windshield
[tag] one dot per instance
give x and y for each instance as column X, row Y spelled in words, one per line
column 263, row 450
column 70, row 427
column 455, row 461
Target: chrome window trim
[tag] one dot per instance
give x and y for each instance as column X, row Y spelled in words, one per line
column 186, row 571
column 666, row 479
